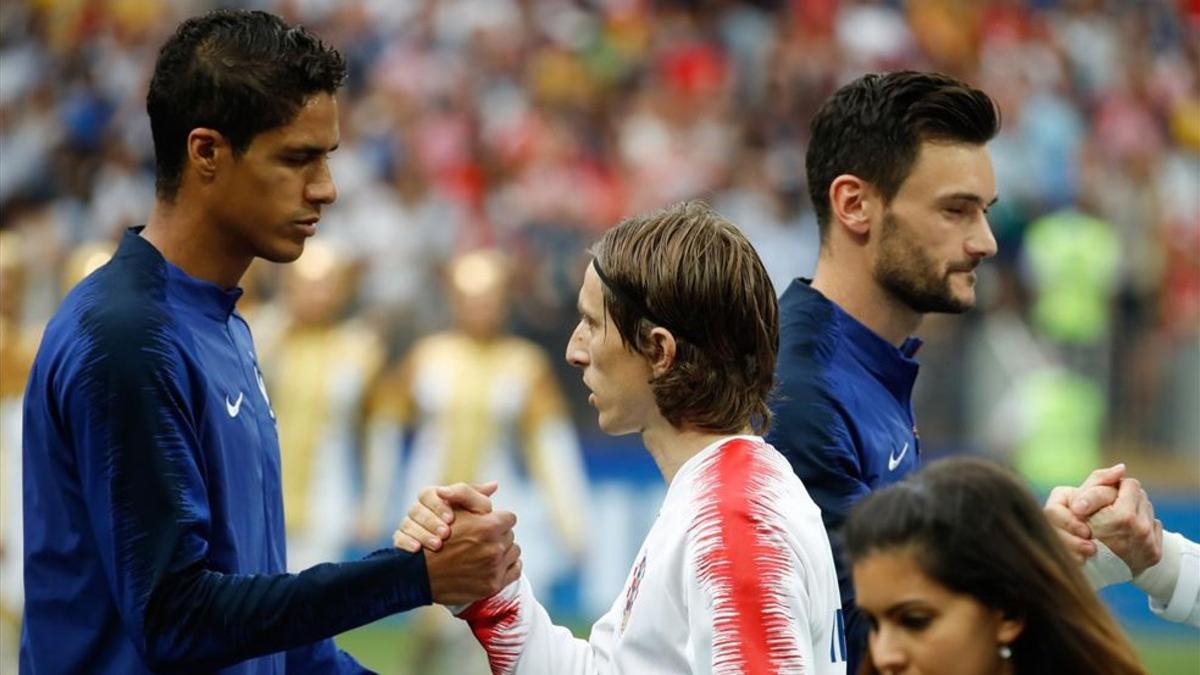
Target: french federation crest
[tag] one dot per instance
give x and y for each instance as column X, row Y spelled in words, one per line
column 635, row 583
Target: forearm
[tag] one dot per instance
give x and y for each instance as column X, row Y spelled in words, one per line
column 197, row 618
column 520, row 639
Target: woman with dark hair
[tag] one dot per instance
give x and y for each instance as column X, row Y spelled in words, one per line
column 959, row 572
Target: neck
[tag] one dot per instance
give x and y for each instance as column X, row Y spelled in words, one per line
column 671, row 447
column 193, row 243
column 852, row 288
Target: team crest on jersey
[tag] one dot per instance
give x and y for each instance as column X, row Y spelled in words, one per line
column 635, row 583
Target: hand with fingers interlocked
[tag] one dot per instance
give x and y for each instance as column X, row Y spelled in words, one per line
column 1110, row 508
column 469, row 549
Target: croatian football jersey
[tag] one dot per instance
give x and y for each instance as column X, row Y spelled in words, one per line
column 735, row 576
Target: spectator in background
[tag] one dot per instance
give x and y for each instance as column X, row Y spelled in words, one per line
column 320, row 366
column 18, row 344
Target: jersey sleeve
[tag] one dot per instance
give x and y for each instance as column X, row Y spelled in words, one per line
column 520, row 639
column 1181, row 603
column 128, row 402
column 748, row 607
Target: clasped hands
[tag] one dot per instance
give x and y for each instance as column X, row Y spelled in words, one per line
column 469, row 549
column 1112, row 509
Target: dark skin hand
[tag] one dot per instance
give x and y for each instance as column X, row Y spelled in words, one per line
column 479, row 556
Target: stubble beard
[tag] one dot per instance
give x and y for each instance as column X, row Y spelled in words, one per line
column 909, row 275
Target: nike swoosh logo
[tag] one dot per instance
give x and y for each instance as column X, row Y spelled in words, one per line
column 235, row 407
column 894, row 459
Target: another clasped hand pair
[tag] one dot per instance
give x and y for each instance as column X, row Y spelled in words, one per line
column 1110, row 508
column 469, row 549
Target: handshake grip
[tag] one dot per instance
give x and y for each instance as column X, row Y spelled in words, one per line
column 470, row 550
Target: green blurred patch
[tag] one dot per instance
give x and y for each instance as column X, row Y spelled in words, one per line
column 386, row 647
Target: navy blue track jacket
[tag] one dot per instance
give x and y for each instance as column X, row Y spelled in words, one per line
column 843, row 418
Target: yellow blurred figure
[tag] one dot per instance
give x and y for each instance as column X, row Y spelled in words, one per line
column 483, row 405
column 85, row 259
column 17, row 347
column 319, row 365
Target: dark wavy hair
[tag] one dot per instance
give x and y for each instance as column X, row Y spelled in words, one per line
column 873, row 128
column 689, row 270
column 239, row 72
column 974, row 527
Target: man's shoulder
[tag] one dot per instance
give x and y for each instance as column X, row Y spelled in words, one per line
column 106, row 314
column 748, row 488
column 745, row 474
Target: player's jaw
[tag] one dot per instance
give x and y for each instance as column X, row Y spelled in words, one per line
column 286, row 241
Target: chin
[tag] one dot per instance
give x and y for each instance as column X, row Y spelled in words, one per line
column 282, row 253
column 613, row 427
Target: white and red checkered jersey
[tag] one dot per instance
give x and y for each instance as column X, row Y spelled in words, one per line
column 735, row 576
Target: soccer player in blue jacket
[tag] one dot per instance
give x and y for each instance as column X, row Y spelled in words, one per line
column 154, row 536
column 901, row 182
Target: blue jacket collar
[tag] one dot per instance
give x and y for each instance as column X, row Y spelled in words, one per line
column 208, row 298
column 895, row 368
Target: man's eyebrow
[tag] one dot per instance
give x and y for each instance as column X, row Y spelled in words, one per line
column 969, row 197
column 309, row 149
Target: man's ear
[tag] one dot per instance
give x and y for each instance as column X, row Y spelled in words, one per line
column 853, row 203
column 207, row 149
column 664, row 351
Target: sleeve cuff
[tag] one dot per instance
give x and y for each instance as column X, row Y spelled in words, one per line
column 1174, row 584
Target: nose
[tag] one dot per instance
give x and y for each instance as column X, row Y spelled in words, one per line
column 886, row 651
column 576, row 350
column 321, row 189
column 981, row 243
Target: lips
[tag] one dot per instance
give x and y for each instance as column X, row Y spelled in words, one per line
column 308, row 226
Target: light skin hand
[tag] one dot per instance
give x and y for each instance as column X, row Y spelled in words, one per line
column 1068, row 509
column 1097, row 491
column 1128, row 527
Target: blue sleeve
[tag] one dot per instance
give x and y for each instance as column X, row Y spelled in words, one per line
column 129, row 406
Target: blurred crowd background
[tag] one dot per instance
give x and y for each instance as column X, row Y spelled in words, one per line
column 527, row 127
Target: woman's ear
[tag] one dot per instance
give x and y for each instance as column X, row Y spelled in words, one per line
column 1008, row 628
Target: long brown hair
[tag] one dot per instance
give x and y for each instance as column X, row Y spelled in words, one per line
column 976, row 529
column 687, row 269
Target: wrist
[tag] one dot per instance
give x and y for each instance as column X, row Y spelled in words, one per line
column 1105, row 568
column 1159, row 581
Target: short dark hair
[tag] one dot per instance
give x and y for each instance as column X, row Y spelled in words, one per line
column 973, row 527
column 873, row 128
column 239, row 72
column 689, row 270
